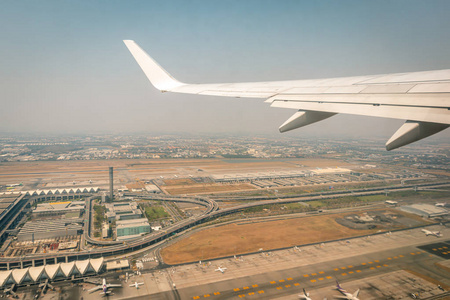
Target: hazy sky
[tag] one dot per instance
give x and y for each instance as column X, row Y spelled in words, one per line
column 65, row 69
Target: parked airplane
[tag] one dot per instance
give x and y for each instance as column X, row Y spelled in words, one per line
column 14, row 184
column 435, row 233
column 104, row 287
column 221, row 269
column 345, row 294
column 420, row 98
column 136, row 284
column 305, row 295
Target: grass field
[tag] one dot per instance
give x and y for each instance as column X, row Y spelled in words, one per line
column 155, row 213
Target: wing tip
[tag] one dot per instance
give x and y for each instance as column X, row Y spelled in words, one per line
column 159, row 77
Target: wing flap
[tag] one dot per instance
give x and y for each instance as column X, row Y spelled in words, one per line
column 438, row 100
column 425, row 114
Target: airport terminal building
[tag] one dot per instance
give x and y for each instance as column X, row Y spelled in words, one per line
column 128, row 229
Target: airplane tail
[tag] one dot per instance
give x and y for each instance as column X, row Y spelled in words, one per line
column 355, row 294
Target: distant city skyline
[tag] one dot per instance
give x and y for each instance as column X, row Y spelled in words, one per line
column 65, row 70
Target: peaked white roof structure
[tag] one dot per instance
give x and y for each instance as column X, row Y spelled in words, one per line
column 19, row 275
column 61, row 270
column 51, row 270
column 82, row 266
column 36, row 272
column 67, row 268
column 4, row 277
column 58, row 191
column 97, row 263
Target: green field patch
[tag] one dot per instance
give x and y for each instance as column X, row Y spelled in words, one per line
column 155, row 213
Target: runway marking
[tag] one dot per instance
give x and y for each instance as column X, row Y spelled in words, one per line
column 288, row 285
column 385, row 265
column 245, row 287
column 329, row 277
column 251, row 294
column 343, row 268
column 217, row 293
column 321, row 278
column 370, row 262
column 344, row 274
column 350, row 266
column 434, row 249
column 358, row 271
column 296, row 284
column 351, row 272
column 395, row 257
column 364, row 264
column 336, row 269
column 377, row 261
column 281, row 280
column 279, row 287
column 372, row 268
column 241, row 296
column 254, row 285
column 400, row 255
column 289, row 278
column 273, row 282
column 207, row 295
column 196, row 297
column 389, row 258
column 260, row 292
column 378, row 266
column 313, row 274
column 236, row 289
column 418, row 252
column 412, row 253
column 313, row 280
column 306, row 275
column 321, row 272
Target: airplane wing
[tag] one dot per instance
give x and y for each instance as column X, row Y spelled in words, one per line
column 110, row 285
column 420, row 98
column 355, row 294
column 99, row 287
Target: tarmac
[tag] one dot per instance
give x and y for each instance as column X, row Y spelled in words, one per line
column 386, row 266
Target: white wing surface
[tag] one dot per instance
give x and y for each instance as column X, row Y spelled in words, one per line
column 420, row 98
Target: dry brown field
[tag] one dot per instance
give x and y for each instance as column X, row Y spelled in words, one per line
column 182, row 181
column 234, row 239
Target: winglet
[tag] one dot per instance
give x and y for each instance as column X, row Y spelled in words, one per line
column 159, row 77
